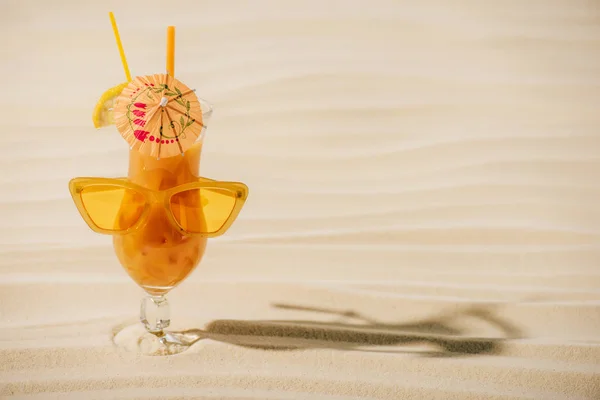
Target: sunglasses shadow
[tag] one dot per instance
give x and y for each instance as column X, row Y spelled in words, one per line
column 361, row 333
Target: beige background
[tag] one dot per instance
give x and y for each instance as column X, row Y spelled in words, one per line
column 430, row 165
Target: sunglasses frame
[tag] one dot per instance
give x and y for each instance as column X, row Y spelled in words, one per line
column 77, row 185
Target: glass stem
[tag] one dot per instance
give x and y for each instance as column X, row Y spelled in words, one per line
column 155, row 314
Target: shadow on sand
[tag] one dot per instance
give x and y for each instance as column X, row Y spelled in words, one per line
column 356, row 332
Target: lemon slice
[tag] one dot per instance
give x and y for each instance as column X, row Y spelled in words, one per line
column 102, row 115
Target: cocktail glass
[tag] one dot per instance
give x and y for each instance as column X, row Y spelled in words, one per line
column 160, row 217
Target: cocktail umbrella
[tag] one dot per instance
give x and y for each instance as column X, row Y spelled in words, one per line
column 158, row 115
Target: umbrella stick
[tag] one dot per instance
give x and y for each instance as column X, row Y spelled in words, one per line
column 171, row 51
column 120, row 46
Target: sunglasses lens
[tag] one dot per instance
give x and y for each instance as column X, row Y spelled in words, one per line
column 112, row 208
column 203, row 210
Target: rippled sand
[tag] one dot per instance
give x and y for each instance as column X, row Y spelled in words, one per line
column 423, row 220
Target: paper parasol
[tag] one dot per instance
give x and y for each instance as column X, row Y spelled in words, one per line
column 158, row 115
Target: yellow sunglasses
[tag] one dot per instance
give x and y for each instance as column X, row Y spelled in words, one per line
column 116, row 206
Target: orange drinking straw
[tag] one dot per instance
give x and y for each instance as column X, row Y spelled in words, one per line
column 120, row 45
column 171, row 50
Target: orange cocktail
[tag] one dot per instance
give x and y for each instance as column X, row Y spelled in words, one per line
column 158, row 256
column 162, row 214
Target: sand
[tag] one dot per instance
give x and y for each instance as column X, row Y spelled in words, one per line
column 423, row 220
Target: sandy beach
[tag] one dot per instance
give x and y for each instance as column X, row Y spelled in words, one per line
column 423, row 217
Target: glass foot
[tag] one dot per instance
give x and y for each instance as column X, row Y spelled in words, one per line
column 136, row 339
column 150, row 337
column 167, row 343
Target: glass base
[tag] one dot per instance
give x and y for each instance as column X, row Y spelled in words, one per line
column 150, row 338
column 136, row 339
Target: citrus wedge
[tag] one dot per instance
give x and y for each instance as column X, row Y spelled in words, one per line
column 102, row 115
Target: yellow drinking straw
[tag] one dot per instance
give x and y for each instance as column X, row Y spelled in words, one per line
column 171, row 51
column 120, row 45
